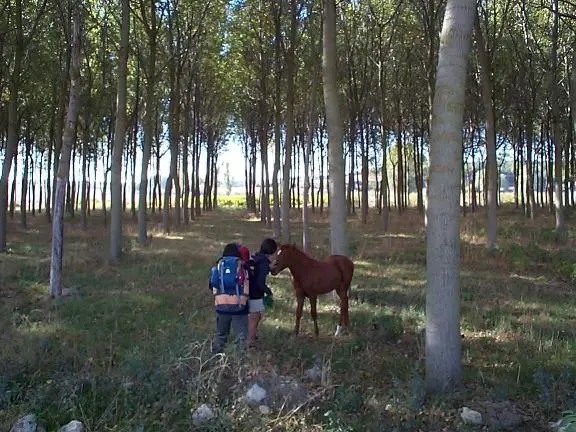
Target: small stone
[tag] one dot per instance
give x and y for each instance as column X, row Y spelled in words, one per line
column 264, row 410
column 471, row 417
column 202, row 415
column 256, row 394
column 73, row 426
column 314, row 373
column 70, row 292
column 25, row 424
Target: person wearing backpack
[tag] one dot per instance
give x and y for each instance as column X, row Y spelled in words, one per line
column 260, row 268
column 230, row 285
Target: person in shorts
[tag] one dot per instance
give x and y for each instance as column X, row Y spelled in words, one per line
column 260, row 269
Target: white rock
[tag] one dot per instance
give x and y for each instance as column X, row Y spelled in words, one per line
column 202, row 415
column 471, row 417
column 256, row 394
column 264, row 410
column 73, row 426
column 25, row 424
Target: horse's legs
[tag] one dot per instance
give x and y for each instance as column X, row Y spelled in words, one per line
column 300, row 300
column 343, row 294
column 314, row 315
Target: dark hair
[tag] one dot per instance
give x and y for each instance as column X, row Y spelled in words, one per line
column 231, row 249
column 268, row 246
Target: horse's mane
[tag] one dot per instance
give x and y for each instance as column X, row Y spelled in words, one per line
column 293, row 247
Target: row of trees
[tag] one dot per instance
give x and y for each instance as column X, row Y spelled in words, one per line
column 110, row 82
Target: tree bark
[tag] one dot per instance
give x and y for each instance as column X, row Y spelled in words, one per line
column 152, row 33
column 491, row 163
column 12, row 139
column 556, row 131
column 443, row 340
column 289, row 144
column 119, row 137
column 337, row 191
column 64, row 164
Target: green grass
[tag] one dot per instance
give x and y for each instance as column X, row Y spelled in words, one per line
column 133, row 349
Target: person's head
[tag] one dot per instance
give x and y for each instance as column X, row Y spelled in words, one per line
column 231, row 249
column 244, row 253
column 268, row 246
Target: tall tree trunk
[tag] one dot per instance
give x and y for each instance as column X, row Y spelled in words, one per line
column 491, row 163
column 152, row 33
column 64, row 164
column 573, row 115
column 277, row 117
column 12, row 139
column 289, row 144
column 529, row 167
column 40, row 182
column 85, row 145
column 107, row 170
column 119, row 137
column 198, row 150
column 443, row 340
column 364, row 147
column 307, row 151
column 185, row 150
column 337, row 192
column 400, row 155
column 24, row 186
column 556, row 131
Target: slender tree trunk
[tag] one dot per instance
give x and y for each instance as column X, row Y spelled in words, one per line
column 64, row 164
column 32, row 194
column 529, row 167
column 289, row 144
column 443, row 340
column 364, row 142
column 556, row 131
column 185, row 144
column 338, row 236
column 85, row 144
column 307, row 151
column 40, row 182
column 149, row 113
column 573, row 119
column 198, row 147
column 491, row 162
column 24, row 185
column 12, row 139
column 119, row 137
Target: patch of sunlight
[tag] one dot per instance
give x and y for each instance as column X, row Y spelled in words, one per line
column 526, row 278
column 40, row 329
column 392, row 235
column 361, row 263
column 140, row 298
column 277, row 324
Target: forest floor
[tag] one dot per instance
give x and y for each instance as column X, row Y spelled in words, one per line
column 131, row 350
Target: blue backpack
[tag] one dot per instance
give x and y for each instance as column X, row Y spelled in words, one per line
column 227, row 282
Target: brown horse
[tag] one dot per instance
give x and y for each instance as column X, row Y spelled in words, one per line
column 310, row 278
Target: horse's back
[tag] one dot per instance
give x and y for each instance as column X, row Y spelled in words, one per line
column 345, row 265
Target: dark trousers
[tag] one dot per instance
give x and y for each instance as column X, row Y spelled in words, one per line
column 239, row 324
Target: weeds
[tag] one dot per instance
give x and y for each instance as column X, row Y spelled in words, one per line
column 131, row 350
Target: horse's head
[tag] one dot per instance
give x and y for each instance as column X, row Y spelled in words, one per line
column 281, row 259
